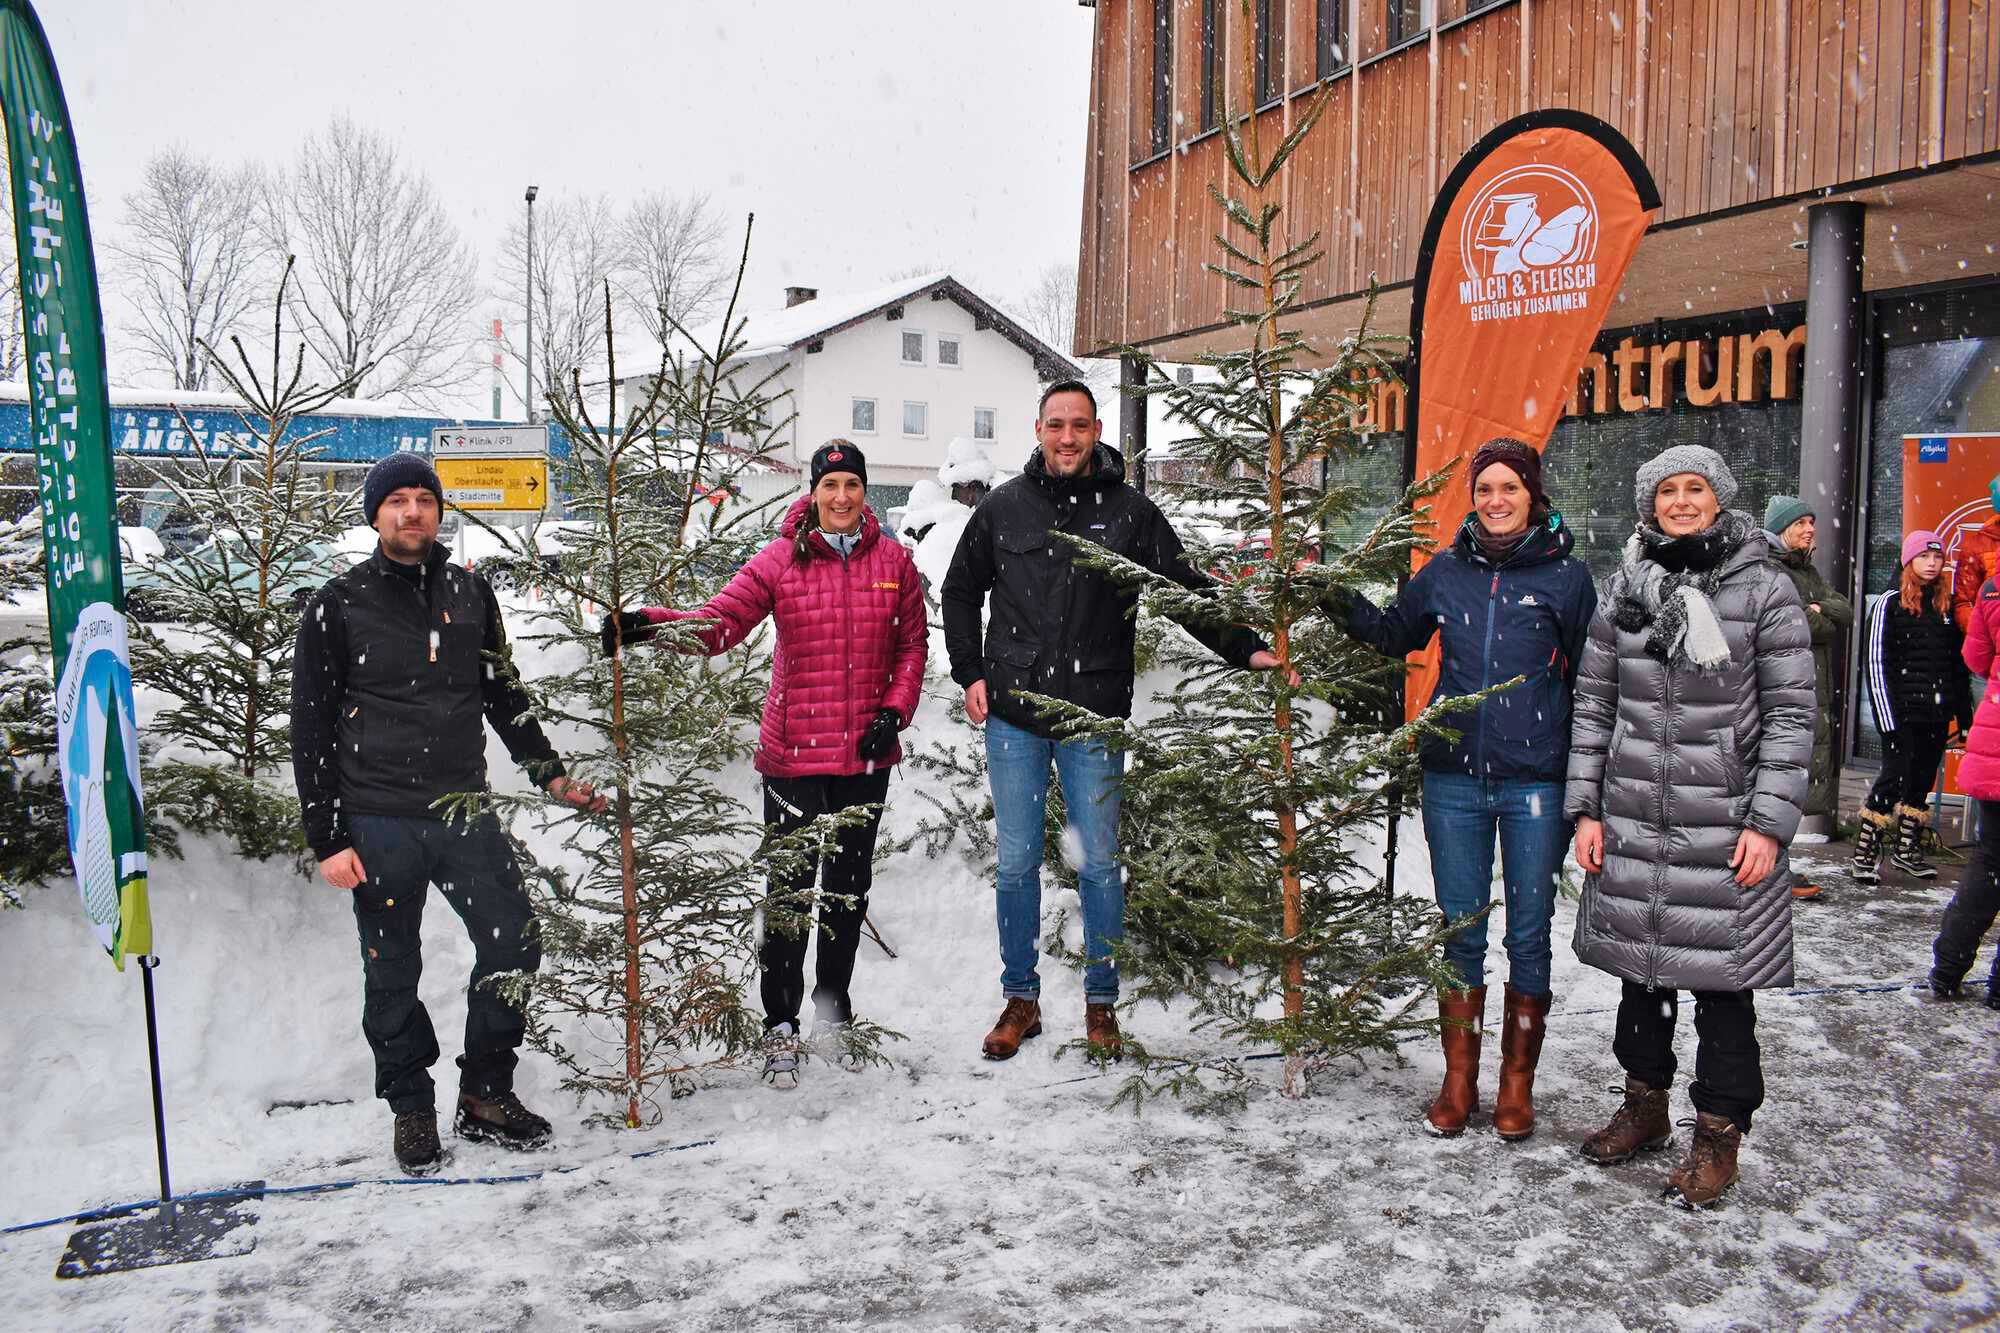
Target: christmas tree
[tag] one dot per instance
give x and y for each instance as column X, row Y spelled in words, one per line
column 649, row 911
column 1253, row 807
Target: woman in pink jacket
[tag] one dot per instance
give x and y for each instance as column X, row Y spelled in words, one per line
column 845, row 679
column 1977, row 901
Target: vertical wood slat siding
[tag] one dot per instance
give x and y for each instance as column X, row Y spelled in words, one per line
column 1733, row 101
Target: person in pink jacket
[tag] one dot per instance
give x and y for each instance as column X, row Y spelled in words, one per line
column 845, row 678
column 1971, row 911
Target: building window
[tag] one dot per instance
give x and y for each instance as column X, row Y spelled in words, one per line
column 1163, row 74
column 948, row 351
column 1405, row 20
column 1212, row 65
column 916, row 420
column 913, row 347
column 982, row 423
column 1270, row 51
column 1330, row 38
column 862, row 417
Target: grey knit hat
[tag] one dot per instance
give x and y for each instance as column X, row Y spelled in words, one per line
column 1783, row 511
column 1699, row 459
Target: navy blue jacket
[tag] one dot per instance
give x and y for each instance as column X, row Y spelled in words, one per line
column 1528, row 616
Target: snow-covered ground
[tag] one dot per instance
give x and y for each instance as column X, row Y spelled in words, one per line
column 950, row 1192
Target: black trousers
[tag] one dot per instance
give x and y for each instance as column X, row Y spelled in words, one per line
column 1970, row 913
column 1728, row 1069
column 790, row 804
column 1910, row 758
column 473, row 867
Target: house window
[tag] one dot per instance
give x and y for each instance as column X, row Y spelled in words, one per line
column 1330, row 38
column 862, row 418
column 913, row 347
column 948, row 351
column 1212, row 65
column 1163, row 74
column 916, row 420
column 1405, row 20
column 982, row 423
column 1270, row 51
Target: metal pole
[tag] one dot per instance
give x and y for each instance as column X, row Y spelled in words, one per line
column 1132, row 419
column 528, row 393
column 146, row 966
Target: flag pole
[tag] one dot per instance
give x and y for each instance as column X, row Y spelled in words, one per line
column 147, row 962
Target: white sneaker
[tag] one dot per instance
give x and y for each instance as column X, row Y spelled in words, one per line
column 781, row 1057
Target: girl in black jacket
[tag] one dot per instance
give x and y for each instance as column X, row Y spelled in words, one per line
column 1918, row 687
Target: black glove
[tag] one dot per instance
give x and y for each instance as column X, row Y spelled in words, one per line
column 880, row 738
column 637, row 629
column 1336, row 602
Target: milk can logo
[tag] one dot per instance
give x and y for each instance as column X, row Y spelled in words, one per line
column 1528, row 245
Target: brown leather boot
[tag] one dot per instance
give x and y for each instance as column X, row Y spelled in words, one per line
column 1100, row 1029
column 1523, row 1021
column 1020, row 1020
column 1640, row 1125
column 1709, row 1170
column 1463, row 1011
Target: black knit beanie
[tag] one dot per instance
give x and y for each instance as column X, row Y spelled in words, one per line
column 838, row 456
column 393, row 474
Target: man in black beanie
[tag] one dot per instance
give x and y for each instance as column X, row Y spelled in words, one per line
column 393, row 678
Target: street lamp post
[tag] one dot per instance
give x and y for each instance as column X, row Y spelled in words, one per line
column 528, row 394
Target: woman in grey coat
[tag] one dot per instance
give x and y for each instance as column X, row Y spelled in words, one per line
column 1688, row 765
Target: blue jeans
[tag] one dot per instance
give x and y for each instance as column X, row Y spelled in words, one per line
column 1092, row 775
column 1461, row 816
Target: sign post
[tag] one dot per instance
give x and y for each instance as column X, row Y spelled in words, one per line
column 493, row 469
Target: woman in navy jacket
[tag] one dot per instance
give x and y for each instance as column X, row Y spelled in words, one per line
column 1505, row 599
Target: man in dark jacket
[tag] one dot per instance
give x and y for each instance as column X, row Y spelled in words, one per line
column 1792, row 528
column 1060, row 629
column 394, row 673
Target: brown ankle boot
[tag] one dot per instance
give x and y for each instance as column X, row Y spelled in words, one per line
column 1100, row 1030
column 1523, row 1022
column 1709, row 1170
column 1640, row 1125
column 1463, row 1012
column 1020, row 1020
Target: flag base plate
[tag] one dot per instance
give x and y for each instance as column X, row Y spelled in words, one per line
column 145, row 1238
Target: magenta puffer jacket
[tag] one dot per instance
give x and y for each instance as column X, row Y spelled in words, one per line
column 1979, row 771
column 851, row 641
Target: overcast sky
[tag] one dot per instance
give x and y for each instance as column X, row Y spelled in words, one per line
column 869, row 138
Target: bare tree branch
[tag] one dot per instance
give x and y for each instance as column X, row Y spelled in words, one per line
column 670, row 260
column 576, row 251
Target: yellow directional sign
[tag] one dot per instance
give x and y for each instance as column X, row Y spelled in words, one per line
column 495, row 483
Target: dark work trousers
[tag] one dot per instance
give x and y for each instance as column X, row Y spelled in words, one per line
column 1970, row 913
column 790, row 804
column 401, row 857
column 1728, row 1073
column 1910, row 758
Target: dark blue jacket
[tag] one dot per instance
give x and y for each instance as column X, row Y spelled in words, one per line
column 1528, row 616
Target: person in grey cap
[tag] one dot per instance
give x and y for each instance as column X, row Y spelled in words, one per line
column 1687, row 772
column 394, row 678
column 1791, row 527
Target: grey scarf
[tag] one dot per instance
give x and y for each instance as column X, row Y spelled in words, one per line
column 1666, row 585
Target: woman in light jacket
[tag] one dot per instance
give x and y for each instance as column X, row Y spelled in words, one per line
column 1971, row 911
column 1687, row 775
column 845, row 679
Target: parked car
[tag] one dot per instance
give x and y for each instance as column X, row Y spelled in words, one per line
column 152, row 587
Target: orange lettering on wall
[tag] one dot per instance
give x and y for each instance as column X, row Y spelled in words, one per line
column 1660, row 382
column 1777, row 349
column 1722, row 355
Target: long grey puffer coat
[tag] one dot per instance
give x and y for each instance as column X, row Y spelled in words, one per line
column 1677, row 764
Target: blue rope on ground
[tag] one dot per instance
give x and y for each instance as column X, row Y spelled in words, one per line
column 329, row 1187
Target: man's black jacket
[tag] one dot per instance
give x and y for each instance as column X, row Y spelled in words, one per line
column 1057, row 627
column 390, row 686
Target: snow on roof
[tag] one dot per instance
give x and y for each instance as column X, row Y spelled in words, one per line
column 124, row 395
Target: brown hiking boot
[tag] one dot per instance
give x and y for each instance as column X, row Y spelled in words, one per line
column 1522, row 1024
column 1709, row 1170
column 1100, row 1030
column 1020, row 1020
column 1640, row 1125
column 1463, row 1012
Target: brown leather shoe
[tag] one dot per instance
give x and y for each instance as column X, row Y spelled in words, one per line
column 1640, row 1125
column 1523, row 1022
column 1709, row 1170
column 1100, row 1030
column 1020, row 1020
column 1463, row 1011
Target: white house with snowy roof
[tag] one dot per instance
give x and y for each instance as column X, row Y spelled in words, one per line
column 900, row 370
